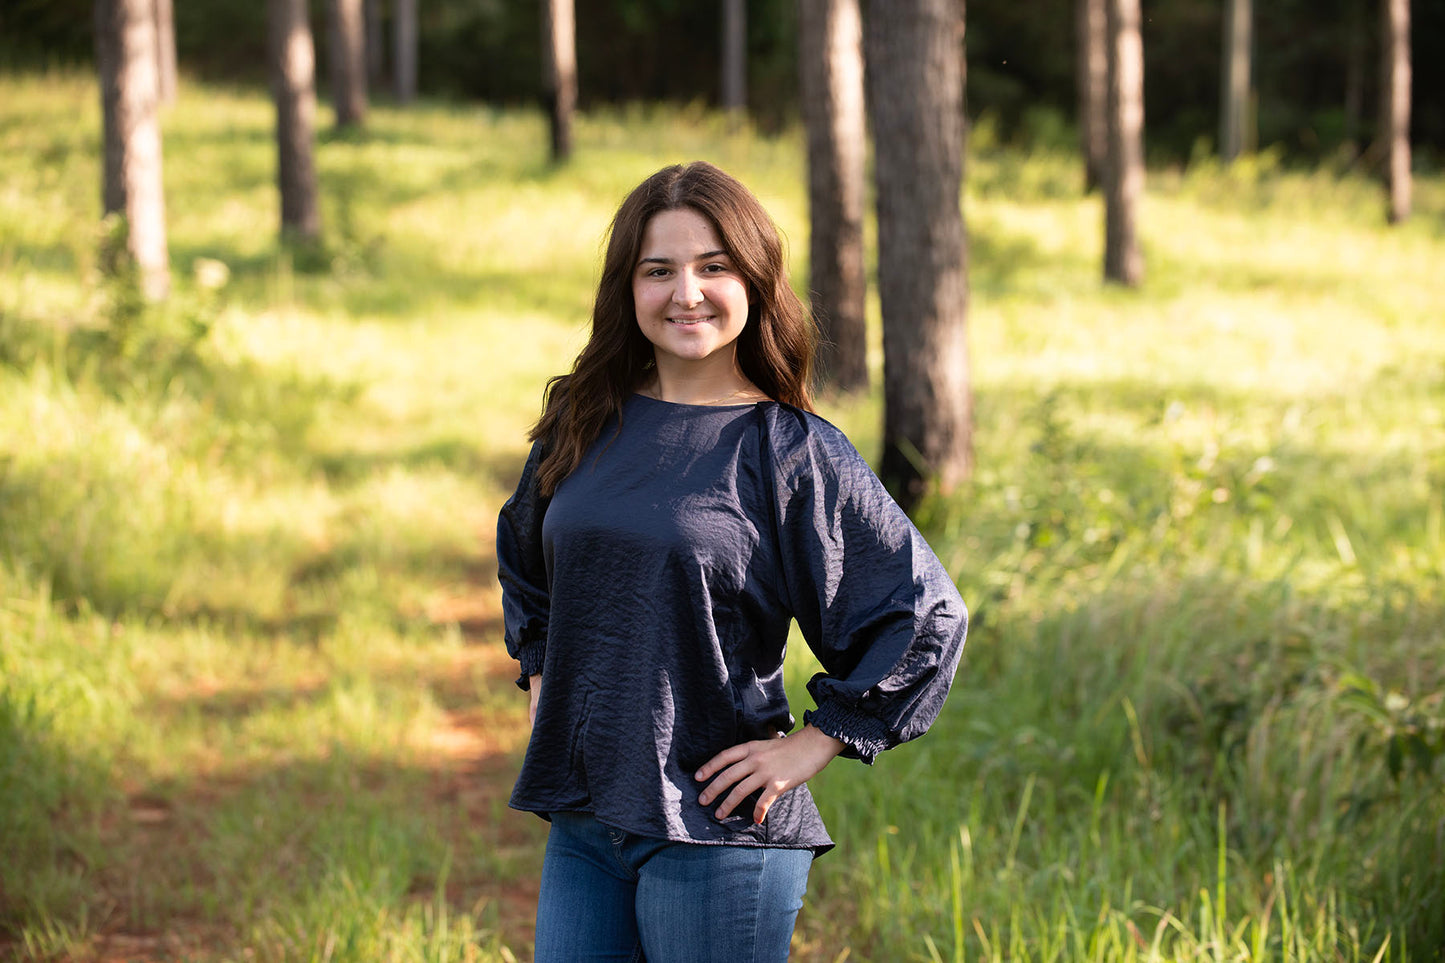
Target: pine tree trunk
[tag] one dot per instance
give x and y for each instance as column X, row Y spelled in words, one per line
column 1092, row 80
column 1396, row 107
column 735, row 56
column 293, row 85
column 1124, row 186
column 165, row 51
column 404, row 33
column 1234, row 83
column 559, row 73
column 348, row 62
column 830, row 35
column 125, row 39
column 914, row 50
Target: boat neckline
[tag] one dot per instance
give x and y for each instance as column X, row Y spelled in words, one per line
column 683, row 404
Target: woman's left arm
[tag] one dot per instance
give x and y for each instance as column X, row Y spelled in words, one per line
column 871, row 598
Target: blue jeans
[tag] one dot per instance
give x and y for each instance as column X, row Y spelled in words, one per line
column 610, row 895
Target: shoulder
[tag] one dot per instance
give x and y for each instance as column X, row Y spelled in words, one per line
column 807, row 449
column 794, row 432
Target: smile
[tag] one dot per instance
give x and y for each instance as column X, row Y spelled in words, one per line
column 688, row 321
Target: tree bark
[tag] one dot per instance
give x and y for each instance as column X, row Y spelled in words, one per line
column 132, row 186
column 559, row 73
column 404, row 34
column 1124, row 187
column 1092, row 80
column 348, row 62
column 735, row 56
column 915, row 75
column 830, row 34
column 165, row 51
column 1396, row 107
column 293, row 85
column 1235, row 79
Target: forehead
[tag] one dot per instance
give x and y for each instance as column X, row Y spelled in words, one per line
column 679, row 233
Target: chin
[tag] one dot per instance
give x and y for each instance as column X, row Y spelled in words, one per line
column 691, row 355
column 688, row 349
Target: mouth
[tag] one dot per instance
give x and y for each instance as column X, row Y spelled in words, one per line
column 688, row 322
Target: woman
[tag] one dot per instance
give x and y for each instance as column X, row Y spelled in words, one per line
column 680, row 506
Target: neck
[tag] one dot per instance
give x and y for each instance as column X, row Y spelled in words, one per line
column 715, row 384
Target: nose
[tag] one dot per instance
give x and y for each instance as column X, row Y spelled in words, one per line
column 688, row 290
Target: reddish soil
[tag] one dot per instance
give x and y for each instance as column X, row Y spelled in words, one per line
column 471, row 756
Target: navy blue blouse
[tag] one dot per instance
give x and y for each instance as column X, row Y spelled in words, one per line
column 654, row 591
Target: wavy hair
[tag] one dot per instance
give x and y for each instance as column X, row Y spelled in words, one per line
column 775, row 348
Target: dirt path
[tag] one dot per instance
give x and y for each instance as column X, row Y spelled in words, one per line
column 465, row 764
column 476, row 753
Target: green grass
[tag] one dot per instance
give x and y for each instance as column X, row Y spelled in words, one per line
column 253, row 701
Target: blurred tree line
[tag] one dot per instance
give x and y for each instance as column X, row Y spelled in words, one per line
column 1316, row 68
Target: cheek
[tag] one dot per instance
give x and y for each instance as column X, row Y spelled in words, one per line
column 744, row 298
column 643, row 301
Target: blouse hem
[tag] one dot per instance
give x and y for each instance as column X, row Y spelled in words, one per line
column 545, row 812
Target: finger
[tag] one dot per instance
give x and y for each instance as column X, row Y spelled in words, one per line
column 765, row 802
column 727, row 757
column 740, row 792
column 726, row 778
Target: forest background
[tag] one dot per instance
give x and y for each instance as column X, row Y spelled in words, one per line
column 1020, row 60
column 253, row 697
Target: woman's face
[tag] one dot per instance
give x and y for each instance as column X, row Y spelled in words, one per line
column 692, row 302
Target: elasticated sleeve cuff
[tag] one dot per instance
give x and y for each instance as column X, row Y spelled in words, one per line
column 863, row 735
column 531, row 657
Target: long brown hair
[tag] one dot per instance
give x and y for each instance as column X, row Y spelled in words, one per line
column 775, row 349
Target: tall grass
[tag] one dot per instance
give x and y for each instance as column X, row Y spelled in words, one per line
column 252, row 695
column 1200, row 714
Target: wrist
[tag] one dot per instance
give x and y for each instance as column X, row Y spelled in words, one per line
column 823, row 741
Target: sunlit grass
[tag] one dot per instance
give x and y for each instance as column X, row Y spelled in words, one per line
column 252, row 695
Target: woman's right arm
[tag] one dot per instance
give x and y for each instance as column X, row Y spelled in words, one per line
column 535, row 682
column 522, row 570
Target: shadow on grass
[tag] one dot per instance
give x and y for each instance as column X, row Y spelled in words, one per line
column 57, row 257
column 292, row 855
column 295, row 847
column 997, row 259
column 367, row 276
column 262, row 848
column 51, row 798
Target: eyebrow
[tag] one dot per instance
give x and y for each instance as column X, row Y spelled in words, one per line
column 667, row 260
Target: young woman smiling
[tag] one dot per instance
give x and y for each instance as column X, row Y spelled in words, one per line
column 680, row 507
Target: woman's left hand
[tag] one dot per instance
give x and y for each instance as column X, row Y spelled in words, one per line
column 772, row 765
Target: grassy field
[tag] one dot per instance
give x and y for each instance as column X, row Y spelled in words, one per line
column 253, row 698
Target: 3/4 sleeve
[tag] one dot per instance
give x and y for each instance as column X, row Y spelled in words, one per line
column 872, row 600
column 522, row 570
